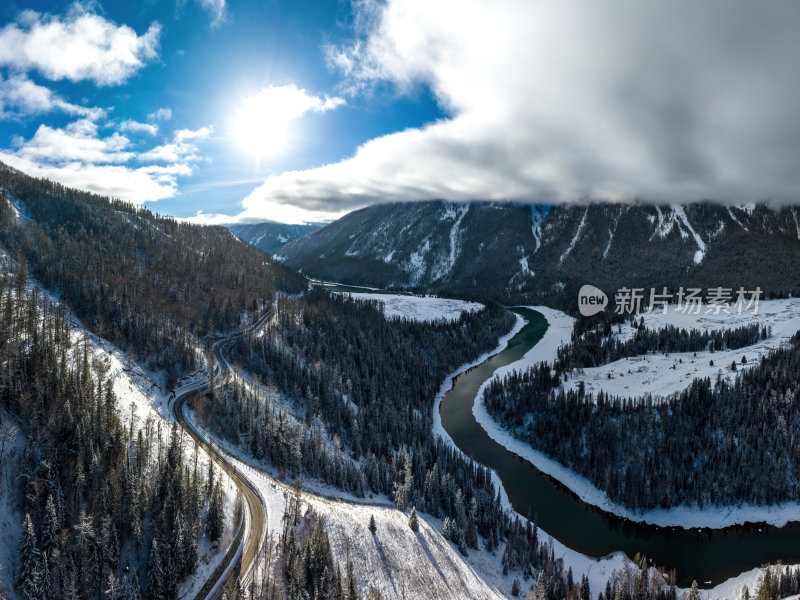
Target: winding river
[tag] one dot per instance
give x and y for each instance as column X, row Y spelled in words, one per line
column 709, row 556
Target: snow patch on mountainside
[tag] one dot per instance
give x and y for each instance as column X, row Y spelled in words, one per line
column 536, row 225
column 523, row 266
column 681, row 214
column 415, row 266
column 739, row 223
column 663, row 224
column 796, row 222
column 456, row 213
column 19, row 210
column 575, row 237
column 608, row 245
column 749, row 207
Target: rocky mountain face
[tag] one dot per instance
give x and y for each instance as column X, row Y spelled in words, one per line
column 515, row 252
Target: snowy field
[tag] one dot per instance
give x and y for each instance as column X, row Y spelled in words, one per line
column 420, row 308
column 662, row 375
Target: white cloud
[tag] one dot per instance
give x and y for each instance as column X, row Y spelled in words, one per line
column 181, row 149
column 133, row 185
column 162, row 114
column 78, row 141
column 291, row 102
column 216, row 9
column 19, row 96
column 138, row 127
column 78, row 155
column 193, row 134
column 78, row 46
column 279, row 213
column 554, row 101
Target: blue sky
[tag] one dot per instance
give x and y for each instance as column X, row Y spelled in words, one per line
column 222, row 110
column 208, row 60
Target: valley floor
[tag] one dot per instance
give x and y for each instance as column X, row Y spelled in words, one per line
column 398, row 562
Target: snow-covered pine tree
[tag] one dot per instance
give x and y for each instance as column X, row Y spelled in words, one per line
column 413, row 521
column 27, row 576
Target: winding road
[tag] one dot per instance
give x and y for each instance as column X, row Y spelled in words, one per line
column 240, row 558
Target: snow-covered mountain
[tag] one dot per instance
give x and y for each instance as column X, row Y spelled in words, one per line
column 515, row 252
column 269, row 236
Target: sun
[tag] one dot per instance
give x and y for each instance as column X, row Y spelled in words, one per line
column 261, row 127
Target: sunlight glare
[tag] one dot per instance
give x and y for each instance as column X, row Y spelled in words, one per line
column 262, row 124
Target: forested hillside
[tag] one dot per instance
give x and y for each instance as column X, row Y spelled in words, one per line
column 598, row 346
column 149, row 284
column 108, row 512
column 369, row 383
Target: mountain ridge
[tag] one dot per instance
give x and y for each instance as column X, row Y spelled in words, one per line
column 271, row 235
column 525, row 253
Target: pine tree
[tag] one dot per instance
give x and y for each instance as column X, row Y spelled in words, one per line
column 585, row 592
column 27, row 577
column 694, row 594
column 215, row 517
column 155, row 566
column 114, row 589
column 50, row 527
column 372, row 527
column 413, row 521
column 447, row 529
column 351, row 585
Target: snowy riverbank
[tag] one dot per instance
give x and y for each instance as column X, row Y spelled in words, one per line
column 781, row 314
